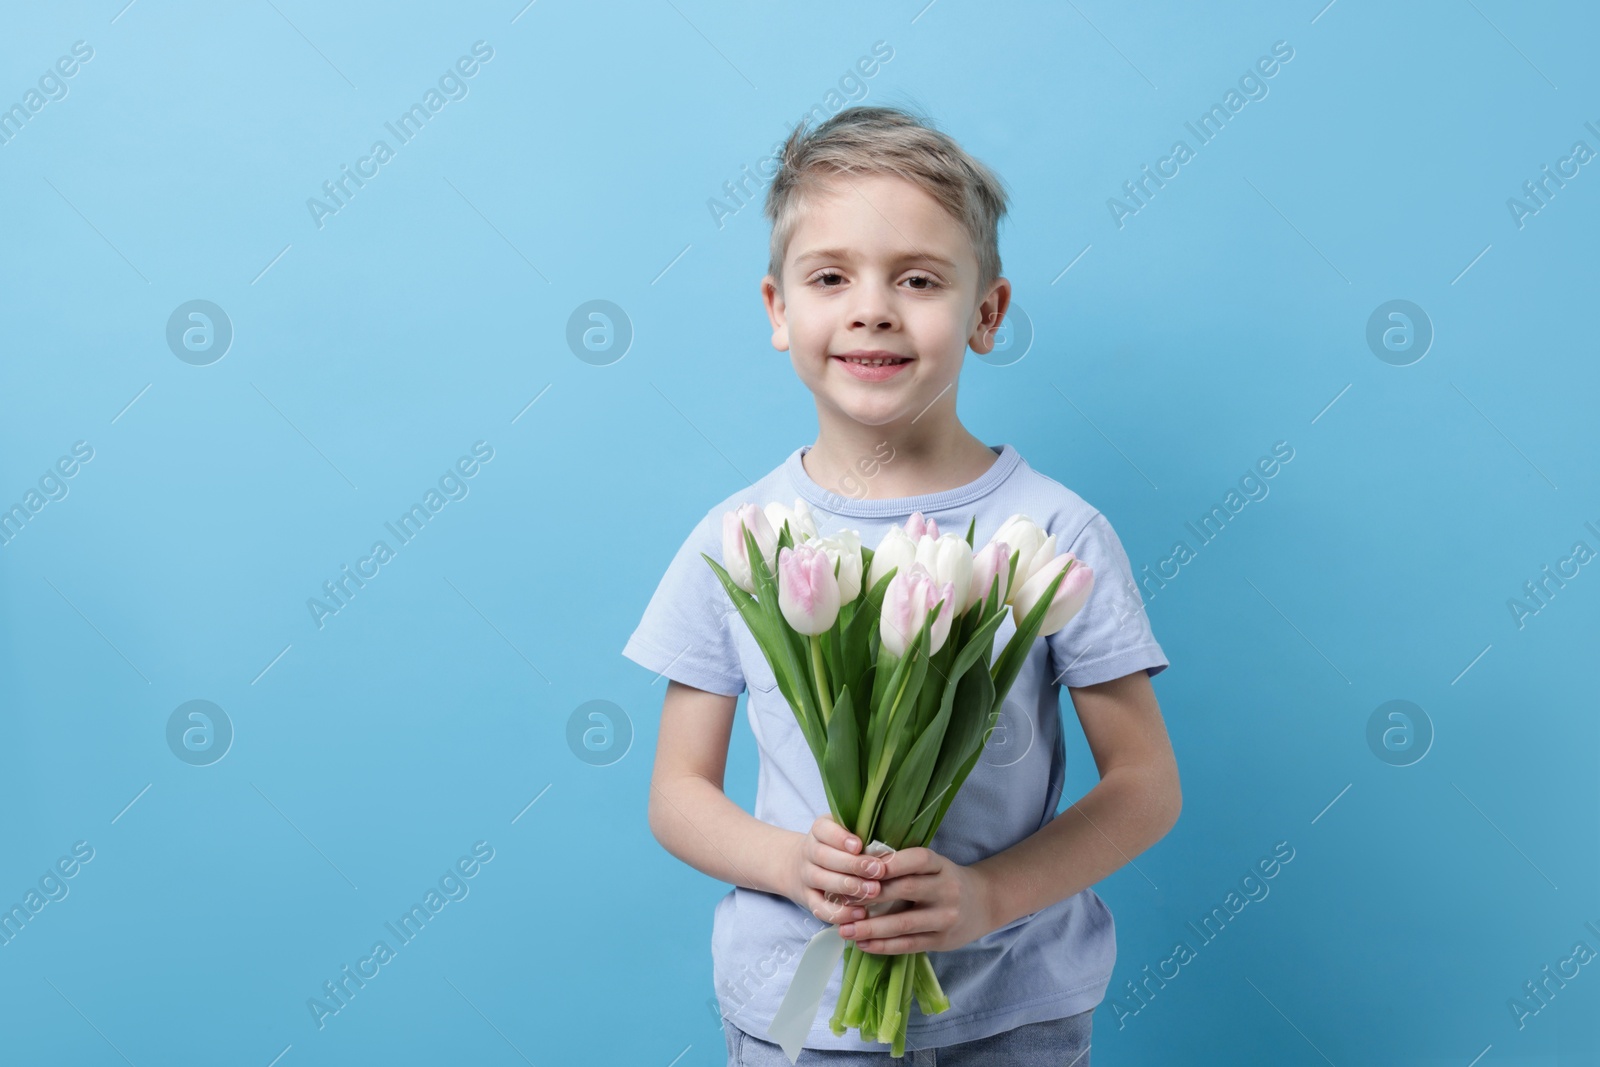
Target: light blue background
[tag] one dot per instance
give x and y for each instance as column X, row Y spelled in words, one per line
column 429, row 313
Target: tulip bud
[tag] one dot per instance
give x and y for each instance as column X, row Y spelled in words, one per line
column 808, row 593
column 948, row 558
column 918, row 527
column 735, row 558
column 1070, row 596
column 992, row 561
column 910, row 596
column 844, row 548
column 802, row 524
column 1028, row 543
column 896, row 550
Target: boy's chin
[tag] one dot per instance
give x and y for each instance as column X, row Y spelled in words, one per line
column 869, row 412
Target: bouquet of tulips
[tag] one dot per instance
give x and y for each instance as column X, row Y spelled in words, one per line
column 886, row 658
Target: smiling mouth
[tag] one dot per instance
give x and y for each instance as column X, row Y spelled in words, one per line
column 874, row 361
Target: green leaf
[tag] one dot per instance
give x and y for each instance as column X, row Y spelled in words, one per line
column 777, row 642
column 971, row 719
column 906, row 712
column 964, row 713
column 892, row 728
column 860, row 633
column 963, row 708
column 841, row 770
column 789, row 659
column 895, row 686
column 903, row 798
column 1021, row 643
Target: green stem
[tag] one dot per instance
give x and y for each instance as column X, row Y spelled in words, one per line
column 893, row 1023
column 819, row 669
column 869, row 803
column 931, row 997
column 852, row 966
column 855, row 1012
column 903, row 1015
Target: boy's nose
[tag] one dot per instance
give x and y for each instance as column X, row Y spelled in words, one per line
column 872, row 307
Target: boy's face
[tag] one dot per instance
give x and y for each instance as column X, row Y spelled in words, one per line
column 876, row 265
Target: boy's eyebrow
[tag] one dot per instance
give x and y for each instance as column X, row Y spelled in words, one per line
column 842, row 253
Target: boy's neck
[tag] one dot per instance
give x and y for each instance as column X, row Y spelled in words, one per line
column 900, row 463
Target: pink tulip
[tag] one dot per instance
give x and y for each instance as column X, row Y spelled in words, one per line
column 808, row 591
column 1070, row 596
column 993, row 560
column 918, row 527
column 906, row 603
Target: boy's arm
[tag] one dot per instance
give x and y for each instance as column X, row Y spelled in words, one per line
column 1135, row 803
column 690, row 814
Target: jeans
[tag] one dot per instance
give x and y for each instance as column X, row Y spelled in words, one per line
column 1053, row 1043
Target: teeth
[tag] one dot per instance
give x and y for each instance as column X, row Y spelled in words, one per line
column 870, row 362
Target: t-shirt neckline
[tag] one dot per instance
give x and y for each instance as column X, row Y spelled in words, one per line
column 837, row 504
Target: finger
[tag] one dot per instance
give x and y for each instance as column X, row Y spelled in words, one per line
column 831, row 833
column 895, row 924
column 898, row 946
column 846, row 862
column 846, row 885
column 832, row 911
column 916, row 887
column 911, row 861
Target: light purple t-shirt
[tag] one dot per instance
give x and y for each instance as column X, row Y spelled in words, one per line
column 1050, row 964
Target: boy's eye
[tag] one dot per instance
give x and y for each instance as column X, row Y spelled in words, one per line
column 931, row 284
column 828, row 274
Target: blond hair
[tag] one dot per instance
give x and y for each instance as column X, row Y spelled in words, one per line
column 887, row 140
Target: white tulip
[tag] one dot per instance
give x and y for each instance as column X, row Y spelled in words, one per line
column 992, row 561
column 896, row 550
column 844, row 549
column 1071, row 594
column 808, row 593
column 1028, row 543
column 735, row 558
column 906, row 603
column 802, row 523
column 948, row 558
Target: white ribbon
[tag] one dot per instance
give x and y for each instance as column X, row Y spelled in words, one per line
column 822, row 953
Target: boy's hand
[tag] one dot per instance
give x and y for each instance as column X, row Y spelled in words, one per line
column 950, row 906
column 828, row 861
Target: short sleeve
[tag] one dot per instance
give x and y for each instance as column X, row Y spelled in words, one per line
column 1110, row 636
column 685, row 632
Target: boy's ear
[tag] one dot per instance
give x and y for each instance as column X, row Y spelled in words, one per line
column 991, row 312
column 772, row 297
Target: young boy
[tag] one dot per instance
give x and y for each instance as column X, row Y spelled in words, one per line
column 884, row 270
